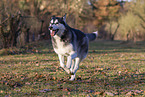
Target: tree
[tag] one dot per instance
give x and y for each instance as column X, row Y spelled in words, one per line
column 106, row 10
column 10, row 29
column 129, row 24
column 78, row 11
column 138, row 8
column 34, row 11
column 10, row 23
column 133, row 22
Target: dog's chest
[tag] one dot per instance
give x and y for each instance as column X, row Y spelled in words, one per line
column 62, row 47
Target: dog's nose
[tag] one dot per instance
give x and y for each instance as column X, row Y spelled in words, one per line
column 50, row 27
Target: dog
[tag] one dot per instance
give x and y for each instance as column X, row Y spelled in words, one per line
column 69, row 42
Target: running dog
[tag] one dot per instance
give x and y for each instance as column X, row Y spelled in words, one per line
column 69, row 42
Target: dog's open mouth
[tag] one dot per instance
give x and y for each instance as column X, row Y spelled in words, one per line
column 54, row 32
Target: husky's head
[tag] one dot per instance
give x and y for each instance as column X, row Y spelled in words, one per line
column 57, row 25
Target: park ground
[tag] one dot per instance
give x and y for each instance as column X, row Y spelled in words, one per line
column 112, row 68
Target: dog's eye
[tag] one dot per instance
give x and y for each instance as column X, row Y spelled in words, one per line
column 56, row 23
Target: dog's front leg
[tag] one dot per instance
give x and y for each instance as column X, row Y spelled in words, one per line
column 61, row 59
column 70, row 59
column 70, row 64
column 76, row 67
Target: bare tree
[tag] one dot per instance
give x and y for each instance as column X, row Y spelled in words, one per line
column 10, row 22
column 10, row 29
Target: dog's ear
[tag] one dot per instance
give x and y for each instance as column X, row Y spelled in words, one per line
column 64, row 18
column 53, row 17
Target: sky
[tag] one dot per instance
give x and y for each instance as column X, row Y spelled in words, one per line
column 124, row 0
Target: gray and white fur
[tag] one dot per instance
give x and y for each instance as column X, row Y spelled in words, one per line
column 69, row 42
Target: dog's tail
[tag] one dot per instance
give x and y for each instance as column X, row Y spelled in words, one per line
column 92, row 36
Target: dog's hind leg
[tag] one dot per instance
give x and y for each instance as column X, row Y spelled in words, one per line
column 72, row 66
column 69, row 62
column 76, row 67
column 61, row 59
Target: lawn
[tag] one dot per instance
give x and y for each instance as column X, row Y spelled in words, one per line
column 112, row 68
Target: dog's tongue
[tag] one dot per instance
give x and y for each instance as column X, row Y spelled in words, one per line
column 52, row 33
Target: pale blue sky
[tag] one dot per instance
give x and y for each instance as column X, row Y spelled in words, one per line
column 124, row 0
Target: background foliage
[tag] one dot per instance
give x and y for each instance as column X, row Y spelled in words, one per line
column 113, row 19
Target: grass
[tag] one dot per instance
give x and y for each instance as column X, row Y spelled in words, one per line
column 112, row 68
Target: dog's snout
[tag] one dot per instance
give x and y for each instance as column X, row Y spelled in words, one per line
column 50, row 27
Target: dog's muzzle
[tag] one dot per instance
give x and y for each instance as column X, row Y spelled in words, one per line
column 52, row 31
column 50, row 27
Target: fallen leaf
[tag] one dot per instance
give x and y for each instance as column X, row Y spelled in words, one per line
column 67, row 89
column 119, row 72
column 45, row 90
column 97, row 69
column 102, row 93
column 97, row 93
column 103, row 73
column 130, row 93
column 89, row 91
column 1, row 91
column 138, row 91
column 136, row 82
column 54, row 78
column 18, row 90
column 37, row 64
column 135, row 92
column 68, row 93
column 109, row 93
column 27, row 83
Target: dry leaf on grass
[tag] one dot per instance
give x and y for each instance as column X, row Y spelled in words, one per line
column 134, row 92
column 99, row 93
column 67, row 89
column 45, row 90
column 109, row 93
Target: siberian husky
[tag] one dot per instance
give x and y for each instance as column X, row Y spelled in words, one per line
column 69, row 42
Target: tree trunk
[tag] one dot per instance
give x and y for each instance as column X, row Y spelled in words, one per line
column 15, row 29
column 110, row 29
column 27, row 35
column 4, row 37
column 33, row 36
column 16, row 34
column 134, row 37
column 112, row 37
column 41, row 33
column 127, row 36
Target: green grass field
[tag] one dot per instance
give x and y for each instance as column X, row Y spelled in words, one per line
column 112, row 68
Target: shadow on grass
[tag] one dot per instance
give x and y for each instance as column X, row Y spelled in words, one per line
column 100, row 46
column 41, row 47
column 17, row 61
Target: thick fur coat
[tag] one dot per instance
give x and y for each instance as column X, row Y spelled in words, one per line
column 69, row 42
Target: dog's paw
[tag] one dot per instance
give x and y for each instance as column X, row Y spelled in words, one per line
column 72, row 77
column 71, row 73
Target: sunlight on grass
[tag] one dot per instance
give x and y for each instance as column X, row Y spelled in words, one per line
column 111, row 68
